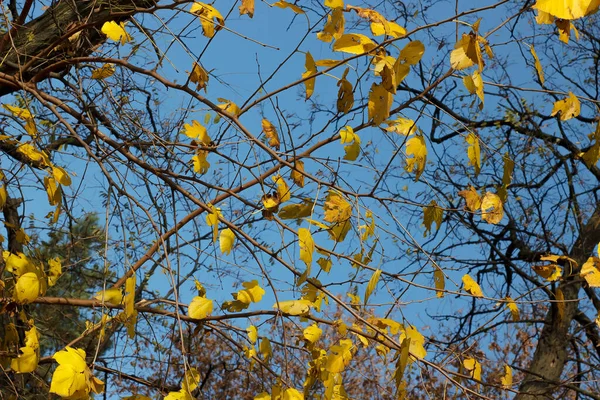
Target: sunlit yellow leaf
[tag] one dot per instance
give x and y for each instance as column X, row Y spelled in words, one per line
column 474, row 151
column 247, row 7
column 292, row 394
column 440, row 282
column 311, row 69
column 229, row 106
column 294, row 307
column 353, row 43
column 27, row 288
column 334, row 27
column 199, row 76
column 271, row 133
column 262, row 396
column 72, row 378
column 307, row 246
column 201, row 165
column 19, row 112
column 569, row 107
column 252, row 333
column 212, row 219
column 492, row 210
column 285, row 4
column 197, row 132
column 116, row 31
column 54, row 270
column 200, row 307
column 265, row 349
column 416, row 147
column 61, row 176
column 29, row 355
column 33, row 154
column 380, row 103
column 474, row 368
column 282, row 189
column 474, row 84
column 567, row 9
column 507, row 379
column 210, row 18
column 467, row 52
column 564, row 30
column 514, row 309
column 402, row 126
column 590, row 271
column 113, row 296
column 471, row 198
column 334, row 3
column 352, row 151
column 312, row 333
column 252, row 292
column 372, row 285
column 413, row 52
column 550, row 272
column 345, row 99
column 471, row 286
column 130, row 312
column 226, row 241
column 537, row 64
column 336, row 208
column 191, row 379
column 417, row 341
column 339, row 356
column 297, row 173
column 388, row 28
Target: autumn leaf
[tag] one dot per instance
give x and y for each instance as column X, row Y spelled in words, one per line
column 210, row 18
column 416, row 147
column 568, row 108
column 297, row 173
column 247, row 7
column 334, row 27
column 312, row 333
column 72, row 378
column 402, row 126
column 311, row 69
column 379, row 105
column 116, row 32
column 550, row 272
column 226, row 241
column 472, row 199
column 412, row 53
column 492, row 210
column 271, row 132
column 27, row 288
column 466, row 52
column 440, row 281
column 54, row 270
column 590, row 271
column 296, row 211
column 353, row 43
column 339, row 356
column 345, row 99
column 432, row 213
column 514, row 309
column 266, row 351
column 474, row 85
column 29, row 355
column 474, row 152
column 112, row 296
column 283, row 191
column 507, row 379
column 200, row 307
column 201, row 165
column 372, row 285
column 212, row 219
column 294, row 307
column 537, row 64
column 471, row 286
column 417, row 341
column 307, row 246
column 352, row 151
column 252, row 334
column 567, row 9
column 474, row 368
column 199, row 76
column 285, row 4
column 229, row 106
column 336, row 208
column 107, row 70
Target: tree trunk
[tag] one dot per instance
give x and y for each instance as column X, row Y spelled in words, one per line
column 29, row 51
column 551, row 353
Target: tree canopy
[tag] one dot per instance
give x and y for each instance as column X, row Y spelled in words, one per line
column 324, row 199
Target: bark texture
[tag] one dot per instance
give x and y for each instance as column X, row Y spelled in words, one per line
column 28, row 52
column 550, row 357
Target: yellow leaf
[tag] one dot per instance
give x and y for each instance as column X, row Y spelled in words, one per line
column 325, row 264
column 292, row 394
column 345, row 99
column 116, row 32
column 285, row 4
column 210, row 18
column 466, row 53
column 212, row 219
column 474, row 368
column 372, row 285
column 252, row 292
column 388, row 28
column 507, row 379
column 252, row 333
column 590, row 271
column 262, row 396
column 229, row 106
column 334, row 27
column 334, row 3
column 297, row 173
column 3, row 196
column 265, row 349
column 129, row 306
column 226, row 241
column 197, row 132
column 54, row 270
column 492, row 210
column 191, row 379
column 413, row 52
column 307, row 246
column 339, row 356
column 282, row 189
column 247, row 7
column 200, row 307
column 311, row 69
column 567, row 9
column 402, row 126
column 564, row 30
column 107, row 70
column 113, row 296
column 53, row 190
column 17, row 264
column 29, row 356
column 312, row 333
column 537, row 65
column 295, row 211
column 72, row 378
column 27, row 288
column 473, row 151
column 474, row 84
column 352, row 151
column 432, row 213
column 440, row 281
column 271, row 133
column 199, row 76
column 569, row 107
column 417, row 341
column 514, row 310
column 18, row 112
column 336, row 208
column 201, row 166
column 416, row 147
column 471, row 286
column 543, row 18
column 33, row 154
column 550, row 272
column 471, row 198
column 61, row 176
column 353, row 43
column 380, row 103
column 294, row 307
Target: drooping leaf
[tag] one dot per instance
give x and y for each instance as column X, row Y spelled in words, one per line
column 116, row 32
column 247, row 7
column 507, row 379
column 271, row 133
column 336, row 208
column 432, row 213
column 199, row 76
column 352, row 151
column 210, row 18
column 402, row 126
column 294, row 307
column 514, row 309
column 283, row 190
column 200, row 307
column 27, row 288
column 537, row 64
column 474, row 368
column 379, row 105
column 417, row 341
column 312, row 333
column 307, row 246
column 339, row 356
column 372, row 285
column 474, row 84
column 112, row 296
column 474, row 152
column 440, row 281
column 212, row 219
column 106, row 71
column 416, row 147
column 201, row 165
column 226, row 240
column 471, row 286
column 72, row 378
column 345, row 99
column 265, row 349
column 311, row 69
column 252, row 334
column 229, row 106
column 471, row 198
column 297, row 173
column 334, row 27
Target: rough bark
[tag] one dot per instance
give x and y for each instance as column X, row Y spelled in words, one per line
column 28, row 51
column 551, row 352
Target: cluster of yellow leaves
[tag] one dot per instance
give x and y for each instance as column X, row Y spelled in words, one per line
column 73, row 379
column 29, row 355
column 467, row 51
column 379, row 25
column 26, row 116
column 199, row 135
column 190, row 381
column 352, row 150
column 252, row 293
column 116, row 32
column 491, row 206
column 31, row 281
column 53, row 183
column 567, row 9
column 337, row 211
